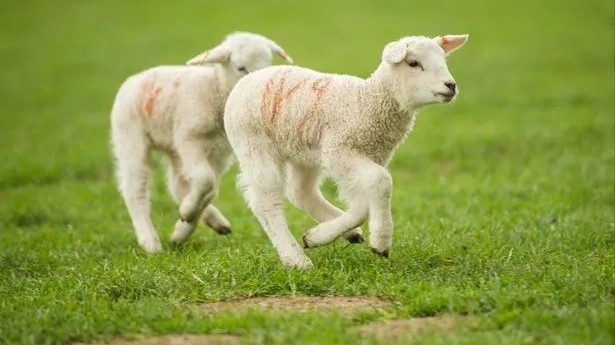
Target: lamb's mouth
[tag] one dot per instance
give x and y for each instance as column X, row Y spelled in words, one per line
column 447, row 96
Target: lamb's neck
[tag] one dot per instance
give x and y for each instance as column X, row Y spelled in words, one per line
column 386, row 106
column 226, row 79
column 384, row 123
column 216, row 91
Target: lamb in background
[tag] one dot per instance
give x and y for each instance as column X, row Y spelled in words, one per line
column 289, row 125
column 179, row 110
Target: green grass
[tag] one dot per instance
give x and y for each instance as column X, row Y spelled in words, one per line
column 503, row 201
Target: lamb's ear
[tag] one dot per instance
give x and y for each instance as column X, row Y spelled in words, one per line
column 275, row 48
column 219, row 54
column 281, row 53
column 198, row 60
column 450, row 43
column 394, row 52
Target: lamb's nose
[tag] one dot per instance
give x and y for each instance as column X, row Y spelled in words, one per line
column 451, row 85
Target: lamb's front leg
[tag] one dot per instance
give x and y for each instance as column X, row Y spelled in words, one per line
column 367, row 186
column 347, row 171
column 304, row 192
column 327, row 232
column 380, row 184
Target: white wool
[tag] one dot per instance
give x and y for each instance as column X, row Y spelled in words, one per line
column 178, row 110
column 290, row 125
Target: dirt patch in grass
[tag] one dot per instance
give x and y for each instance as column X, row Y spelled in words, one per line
column 186, row 339
column 408, row 328
column 298, row 304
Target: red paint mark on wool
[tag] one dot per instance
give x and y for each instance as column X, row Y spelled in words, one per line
column 319, row 86
column 150, row 100
column 283, row 95
column 275, row 94
column 266, row 98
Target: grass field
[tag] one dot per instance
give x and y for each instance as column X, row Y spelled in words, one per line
column 503, row 201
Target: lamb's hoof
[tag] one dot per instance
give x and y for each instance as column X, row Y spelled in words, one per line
column 152, row 247
column 225, row 230
column 355, row 238
column 183, row 230
column 314, row 238
column 304, row 264
column 384, row 253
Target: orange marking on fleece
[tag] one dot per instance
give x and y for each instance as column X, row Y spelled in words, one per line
column 144, row 88
column 319, row 86
column 275, row 94
column 266, row 98
column 273, row 102
column 278, row 98
column 283, row 95
column 149, row 102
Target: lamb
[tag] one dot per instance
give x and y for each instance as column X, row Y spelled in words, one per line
column 290, row 125
column 178, row 110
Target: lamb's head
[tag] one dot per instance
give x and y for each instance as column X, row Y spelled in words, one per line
column 416, row 71
column 242, row 53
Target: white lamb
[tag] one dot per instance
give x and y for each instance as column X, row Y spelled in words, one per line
column 179, row 110
column 287, row 125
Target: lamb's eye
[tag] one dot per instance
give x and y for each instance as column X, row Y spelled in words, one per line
column 414, row 63
column 242, row 69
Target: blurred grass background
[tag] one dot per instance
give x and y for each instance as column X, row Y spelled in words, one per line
column 65, row 59
column 503, row 201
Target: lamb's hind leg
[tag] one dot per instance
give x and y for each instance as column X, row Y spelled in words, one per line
column 132, row 160
column 203, row 187
column 179, row 187
column 262, row 180
column 303, row 191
